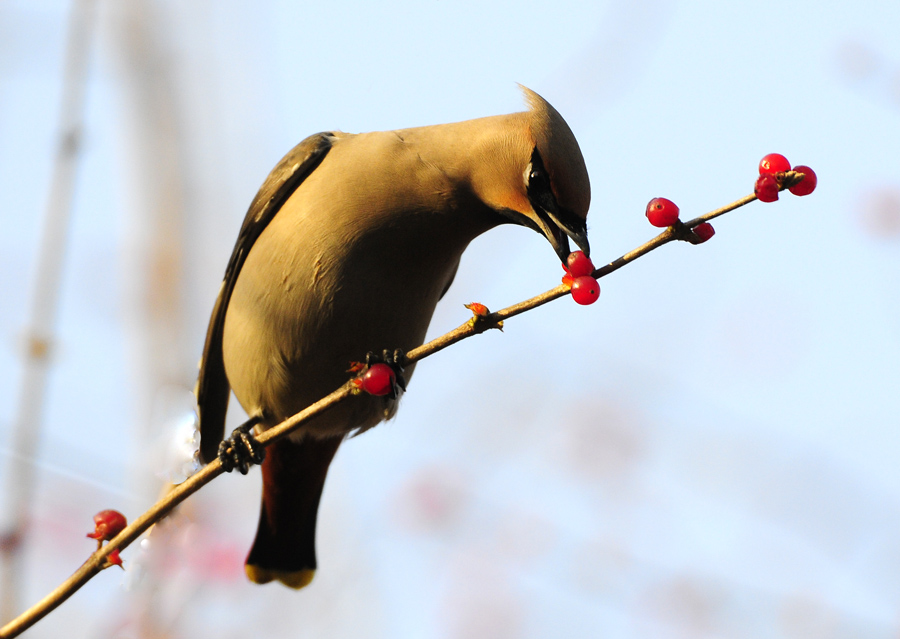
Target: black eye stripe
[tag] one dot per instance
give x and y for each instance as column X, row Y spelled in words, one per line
column 541, row 195
column 538, row 186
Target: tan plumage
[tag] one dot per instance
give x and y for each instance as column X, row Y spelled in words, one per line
column 347, row 249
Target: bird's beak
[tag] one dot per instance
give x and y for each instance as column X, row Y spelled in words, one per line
column 551, row 227
column 576, row 231
column 558, row 233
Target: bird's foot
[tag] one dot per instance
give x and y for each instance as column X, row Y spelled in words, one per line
column 241, row 450
column 396, row 359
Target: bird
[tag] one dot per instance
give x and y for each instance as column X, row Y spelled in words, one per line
column 346, row 249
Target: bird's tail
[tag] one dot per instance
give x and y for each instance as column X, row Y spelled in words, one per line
column 285, row 546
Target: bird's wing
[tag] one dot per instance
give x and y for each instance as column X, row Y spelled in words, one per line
column 213, row 388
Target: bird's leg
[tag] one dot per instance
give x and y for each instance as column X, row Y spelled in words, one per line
column 396, row 359
column 241, row 450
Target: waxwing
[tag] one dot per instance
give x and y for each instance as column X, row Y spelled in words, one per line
column 346, row 250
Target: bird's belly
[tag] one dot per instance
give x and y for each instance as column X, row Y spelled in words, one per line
column 286, row 350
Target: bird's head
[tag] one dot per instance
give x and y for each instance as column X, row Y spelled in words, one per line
column 537, row 177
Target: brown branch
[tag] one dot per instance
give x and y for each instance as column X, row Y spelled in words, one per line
column 98, row 561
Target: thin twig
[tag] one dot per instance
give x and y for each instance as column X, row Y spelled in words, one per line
column 98, row 561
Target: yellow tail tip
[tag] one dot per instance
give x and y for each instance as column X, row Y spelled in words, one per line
column 296, row 579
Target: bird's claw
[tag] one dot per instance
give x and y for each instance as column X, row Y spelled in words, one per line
column 242, row 449
column 396, row 359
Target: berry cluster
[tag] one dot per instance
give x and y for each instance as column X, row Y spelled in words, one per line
column 662, row 212
column 772, row 169
column 108, row 524
column 579, row 277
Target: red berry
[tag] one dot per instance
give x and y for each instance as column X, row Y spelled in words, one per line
column 579, row 264
column 773, row 163
column 109, row 523
column 662, row 212
column 378, row 380
column 808, row 184
column 585, row 290
column 704, row 231
column 766, row 188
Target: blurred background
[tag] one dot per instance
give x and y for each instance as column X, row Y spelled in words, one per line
column 709, row 451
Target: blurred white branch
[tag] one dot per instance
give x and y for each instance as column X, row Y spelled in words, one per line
column 26, row 433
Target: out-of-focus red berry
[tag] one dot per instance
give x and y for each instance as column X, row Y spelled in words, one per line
column 662, row 212
column 378, row 380
column 766, row 188
column 579, row 264
column 808, row 184
column 585, row 290
column 108, row 524
column 774, row 163
column 704, row 231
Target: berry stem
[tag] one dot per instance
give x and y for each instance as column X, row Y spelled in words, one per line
column 680, row 231
column 706, row 217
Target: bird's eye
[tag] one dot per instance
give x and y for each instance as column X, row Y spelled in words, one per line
column 538, row 178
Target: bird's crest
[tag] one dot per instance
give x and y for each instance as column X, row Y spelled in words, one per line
column 561, row 153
